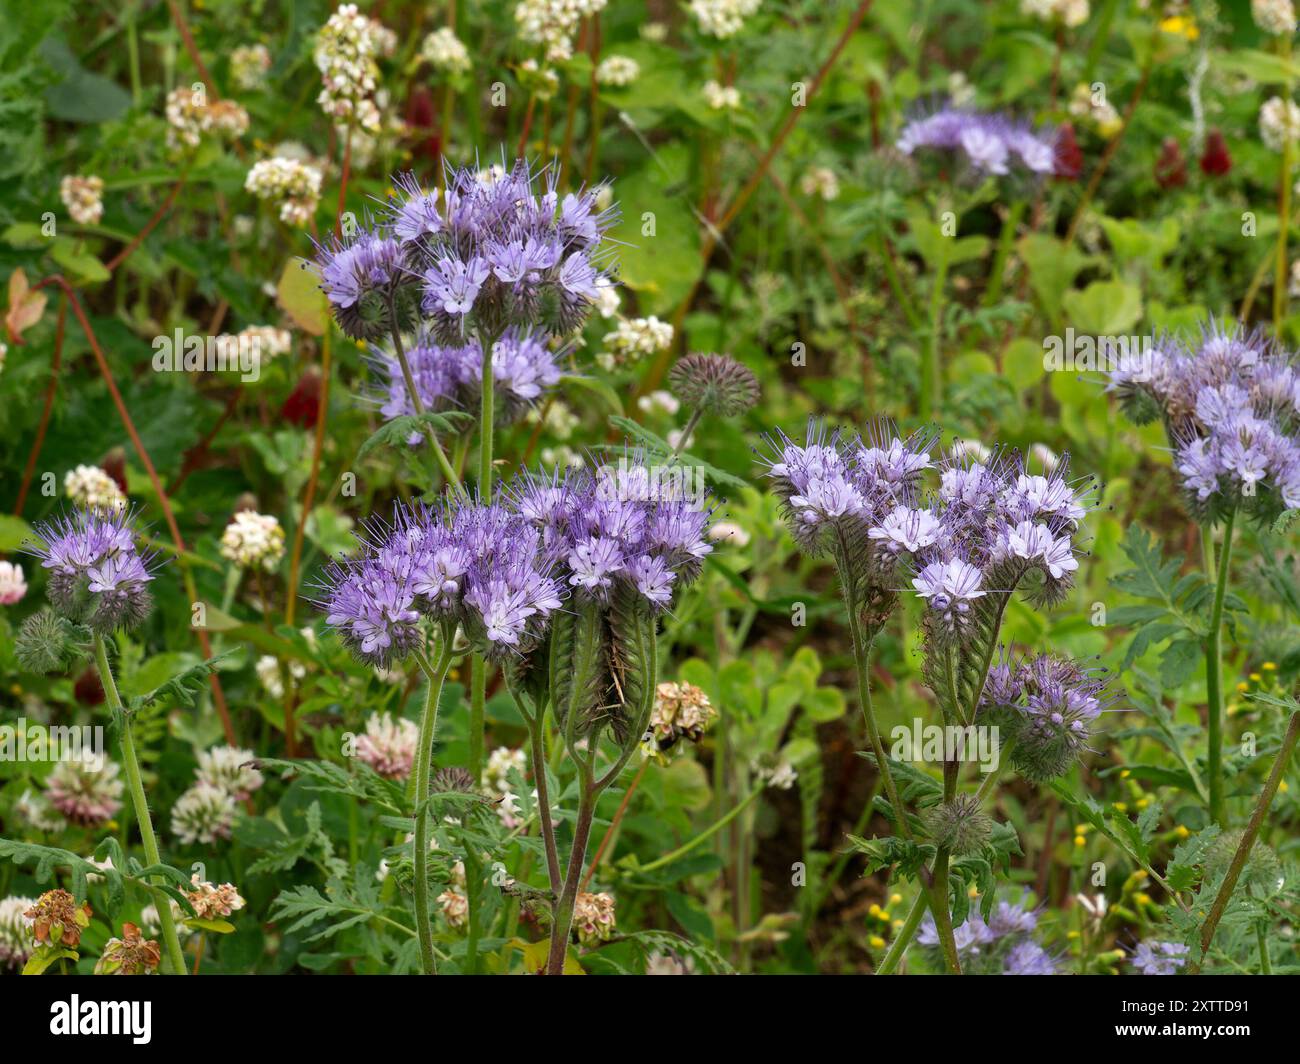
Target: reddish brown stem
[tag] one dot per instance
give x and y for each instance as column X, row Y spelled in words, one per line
column 613, row 826
column 39, row 442
column 149, row 226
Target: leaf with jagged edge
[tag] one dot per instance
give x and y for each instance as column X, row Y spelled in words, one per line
column 396, row 432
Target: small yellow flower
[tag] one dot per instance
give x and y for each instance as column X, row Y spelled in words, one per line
column 1125, row 774
column 1181, row 26
column 1072, row 934
column 1255, row 677
column 1079, row 840
column 1082, row 829
column 1243, row 687
column 898, row 925
column 1142, row 802
column 1142, row 899
column 1282, row 786
column 1269, row 666
column 876, row 911
column 895, row 899
column 1121, row 807
column 876, row 942
column 1182, row 832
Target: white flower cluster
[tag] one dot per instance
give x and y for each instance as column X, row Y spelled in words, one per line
column 90, row 488
column 1071, row 12
column 12, row 585
column 723, row 18
column 203, row 814
column 1279, row 121
column 1274, row 16
column 16, row 939
column 618, row 70
column 782, row 775
column 443, row 50
column 268, row 341
column 385, row 40
column 633, row 339
column 86, row 789
column 84, row 198
column 721, row 97
column 388, row 745
column 540, row 81
column 453, row 901
column 293, row 184
column 552, row 23
column 229, row 769
column 268, row 674
column 249, row 64
column 496, row 782
column 190, row 115
column 593, row 917
column 345, row 56
column 822, row 182
column 253, row 539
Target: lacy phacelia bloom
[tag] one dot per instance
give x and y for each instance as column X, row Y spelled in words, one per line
column 293, row 185
column 212, row 902
column 371, row 282
column 190, row 115
column 552, row 23
column 1160, row 958
column 721, row 97
column 132, row 954
column 12, row 585
column 633, row 339
column 1045, row 706
column 714, row 384
column 593, row 918
column 1274, row 16
column 249, row 64
column 92, row 489
column 990, row 143
column 87, row 790
column 84, row 198
column 617, row 70
column 446, row 377
column 229, row 769
column 1028, row 958
column 1070, row 12
column 388, row 745
column 1231, row 410
column 681, row 711
column 443, row 50
column 16, row 939
column 480, row 565
column 253, row 540
column 1279, row 122
column 820, row 182
column 722, row 18
column 57, row 919
column 203, row 815
column 345, row 56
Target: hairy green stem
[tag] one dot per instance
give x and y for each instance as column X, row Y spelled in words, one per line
column 1213, row 664
column 931, row 397
column 175, row 958
column 436, row 675
column 562, row 922
column 449, row 474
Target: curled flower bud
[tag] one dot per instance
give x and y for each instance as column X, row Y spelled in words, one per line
column 960, row 825
column 714, row 384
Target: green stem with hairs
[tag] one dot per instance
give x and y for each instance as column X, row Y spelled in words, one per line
column 175, row 958
column 448, row 473
column 436, row 675
column 1213, row 664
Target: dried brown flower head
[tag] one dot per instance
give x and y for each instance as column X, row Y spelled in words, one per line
column 57, row 919
column 132, row 954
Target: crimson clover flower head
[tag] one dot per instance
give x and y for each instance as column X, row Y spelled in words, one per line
column 97, row 575
column 624, row 525
column 369, row 280
column 1230, row 404
column 987, row 143
column 1046, row 706
column 501, row 247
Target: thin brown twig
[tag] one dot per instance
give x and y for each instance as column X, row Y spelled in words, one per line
column 148, row 228
column 613, row 825
column 56, row 365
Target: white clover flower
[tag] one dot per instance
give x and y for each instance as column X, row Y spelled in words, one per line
column 268, row 674
column 84, row 198
column 16, row 939
column 203, row 815
column 722, row 97
column 345, row 56
column 1279, row 121
column 659, row 400
column 1274, row 16
column 617, row 70
column 212, row 902
column 607, row 300
column 552, row 23
column 455, row 907
column 722, row 18
column 12, row 585
column 229, row 769
column 443, row 50
column 267, row 340
column 728, row 532
column 293, row 184
column 633, row 339
column 86, row 790
column 34, row 810
column 782, row 775
column 1070, row 12
column 541, row 81
column 151, row 925
column 654, row 32
column 249, row 64
column 92, row 489
column 388, row 745
column 960, row 91
column 190, row 115
column 253, row 540
column 821, row 182
column 563, row 456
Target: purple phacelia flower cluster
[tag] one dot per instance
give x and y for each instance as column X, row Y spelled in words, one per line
column 97, row 575
column 1231, row 409
column 371, row 282
column 479, row 565
column 990, row 143
column 450, row 376
column 625, row 525
column 1000, row 945
column 1045, row 707
column 1160, row 958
